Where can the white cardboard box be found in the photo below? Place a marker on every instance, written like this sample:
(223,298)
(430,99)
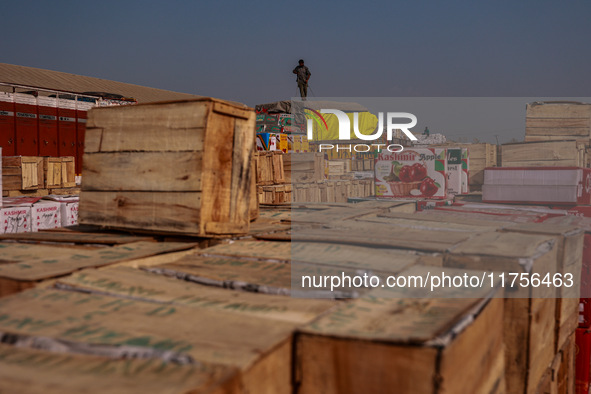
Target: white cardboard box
(69,213)
(15,219)
(46,215)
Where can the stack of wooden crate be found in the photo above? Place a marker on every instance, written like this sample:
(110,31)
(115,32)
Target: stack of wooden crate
(283,178)
(164,316)
(38,176)
(562,131)
(176,167)
(556,121)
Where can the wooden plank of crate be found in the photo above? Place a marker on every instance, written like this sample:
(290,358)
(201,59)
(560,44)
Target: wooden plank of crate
(242,172)
(254,200)
(558,123)
(542,151)
(69,260)
(52,169)
(329,254)
(59,373)
(74,237)
(558,110)
(68,171)
(126,171)
(570,240)
(278,170)
(410,336)
(140,129)
(563,132)
(530,312)
(143,285)
(159,211)
(260,348)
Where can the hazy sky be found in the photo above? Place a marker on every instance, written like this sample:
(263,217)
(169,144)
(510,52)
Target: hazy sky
(245,50)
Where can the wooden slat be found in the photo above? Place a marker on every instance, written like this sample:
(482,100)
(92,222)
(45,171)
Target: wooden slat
(74,237)
(158,211)
(177,115)
(542,151)
(554,110)
(143,171)
(559,123)
(58,373)
(74,259)
(558,131)
(142,285)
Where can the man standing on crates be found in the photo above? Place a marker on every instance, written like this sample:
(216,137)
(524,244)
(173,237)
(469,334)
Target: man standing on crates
(303,75)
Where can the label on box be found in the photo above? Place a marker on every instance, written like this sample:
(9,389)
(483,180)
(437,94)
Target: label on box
(454,171)
(420,172)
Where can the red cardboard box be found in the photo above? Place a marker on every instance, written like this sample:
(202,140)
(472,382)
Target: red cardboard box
(537,185)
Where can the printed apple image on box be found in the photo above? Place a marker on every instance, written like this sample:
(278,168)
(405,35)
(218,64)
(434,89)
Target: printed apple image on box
(420,172)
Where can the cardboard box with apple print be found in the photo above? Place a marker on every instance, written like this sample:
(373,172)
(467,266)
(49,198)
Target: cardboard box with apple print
(420,172)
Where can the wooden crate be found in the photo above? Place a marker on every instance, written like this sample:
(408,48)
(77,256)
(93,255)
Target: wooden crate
(386,343)
(275,194)
(52,170)
(544,154)
(269,168)
(174,167)
(530,312)
(304,167)
(68,171)
(27,371)
(22,173)
(338,167)
(558,121)
(260,348)
(570,240)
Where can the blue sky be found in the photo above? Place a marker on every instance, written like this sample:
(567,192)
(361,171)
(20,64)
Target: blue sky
(245,51)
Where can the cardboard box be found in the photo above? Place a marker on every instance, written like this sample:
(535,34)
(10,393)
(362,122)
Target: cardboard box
(69,213)
(543,185)
(418,172)
(465,171)
(267,141)
(15,219)
(45,215)
(454,171)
